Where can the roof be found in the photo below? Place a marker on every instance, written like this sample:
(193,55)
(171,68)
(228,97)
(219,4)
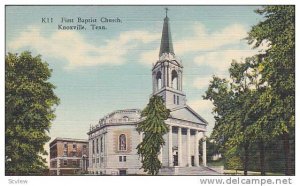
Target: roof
(68,140)
(188,114)
(118,117)
(166,45)
(133,116)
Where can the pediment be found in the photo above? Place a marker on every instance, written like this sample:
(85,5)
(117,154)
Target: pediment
(187,114)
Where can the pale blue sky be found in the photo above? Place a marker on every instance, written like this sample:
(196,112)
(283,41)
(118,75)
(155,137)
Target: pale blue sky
(97,72)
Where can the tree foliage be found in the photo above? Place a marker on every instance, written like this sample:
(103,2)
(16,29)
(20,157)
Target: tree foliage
(257,104)
(278,70)
(232,99)
(153,127)
(29,101)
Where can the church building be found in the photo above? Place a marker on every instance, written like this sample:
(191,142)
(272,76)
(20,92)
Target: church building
(113,141)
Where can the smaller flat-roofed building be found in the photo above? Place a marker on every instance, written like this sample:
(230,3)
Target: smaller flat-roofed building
(68,156)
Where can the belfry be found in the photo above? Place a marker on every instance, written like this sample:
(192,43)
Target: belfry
(167,71)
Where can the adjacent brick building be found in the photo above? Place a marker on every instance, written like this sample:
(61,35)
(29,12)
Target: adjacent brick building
(68,156)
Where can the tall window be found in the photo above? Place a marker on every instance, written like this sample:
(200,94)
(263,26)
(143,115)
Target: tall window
(101,144)
(174,99)
(93,146)
(122,142)
(177,100)
(65,149)
(158,80)
(97,145)
(174,80)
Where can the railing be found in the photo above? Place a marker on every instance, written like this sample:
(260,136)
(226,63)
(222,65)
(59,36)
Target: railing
(113,121)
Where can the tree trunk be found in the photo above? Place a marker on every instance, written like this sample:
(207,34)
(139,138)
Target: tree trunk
(287,158)
(262,157)
(246,158)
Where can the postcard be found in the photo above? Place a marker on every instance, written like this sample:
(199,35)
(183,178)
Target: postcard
(130,90)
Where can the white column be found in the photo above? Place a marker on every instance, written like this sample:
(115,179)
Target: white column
(188,141)
(179,147)
(196,158)
(160,155)
(168,76)
(165,77)
(179,81)
(204,150)
(170,147)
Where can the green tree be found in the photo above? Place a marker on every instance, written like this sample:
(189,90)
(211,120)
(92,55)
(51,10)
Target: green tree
(278,70)
(225,109)
(233,160)
(153,127)
(29,101)
(232,100)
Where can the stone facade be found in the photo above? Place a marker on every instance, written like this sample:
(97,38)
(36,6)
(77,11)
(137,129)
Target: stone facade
(115,159)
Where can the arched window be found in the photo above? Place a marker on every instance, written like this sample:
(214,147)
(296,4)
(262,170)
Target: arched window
(122,142)
(158,80)
(125,118)
(174,79)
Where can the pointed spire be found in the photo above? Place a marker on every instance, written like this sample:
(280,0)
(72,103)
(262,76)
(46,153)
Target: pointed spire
(166,45)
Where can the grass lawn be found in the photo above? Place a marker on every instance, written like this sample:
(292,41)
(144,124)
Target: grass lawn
(240,172)
(251,173)
(215,163)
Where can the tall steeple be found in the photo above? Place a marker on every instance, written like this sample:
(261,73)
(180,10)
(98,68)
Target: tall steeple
(167,71)
(166,45)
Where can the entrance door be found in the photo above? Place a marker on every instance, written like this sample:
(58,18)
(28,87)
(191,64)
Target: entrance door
(193,160)
(122,172)
(175,158)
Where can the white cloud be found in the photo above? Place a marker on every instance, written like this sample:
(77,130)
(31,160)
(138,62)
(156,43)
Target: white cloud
(201,40)
(208,45)
(204,108)
(149,57)
(72,47)
(221,60)
(201,106)
(201,82)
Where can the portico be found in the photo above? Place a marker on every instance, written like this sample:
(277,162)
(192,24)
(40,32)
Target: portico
(182,147)
(181,153)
